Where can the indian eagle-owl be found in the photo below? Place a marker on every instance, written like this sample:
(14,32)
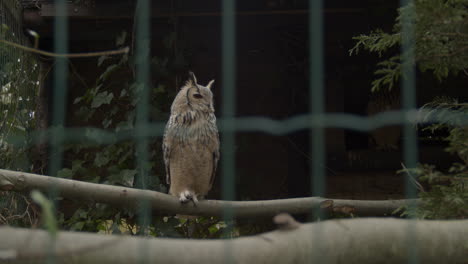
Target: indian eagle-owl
(191,142)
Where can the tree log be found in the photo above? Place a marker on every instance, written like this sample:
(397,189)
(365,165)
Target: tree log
(371,240)
(124,197)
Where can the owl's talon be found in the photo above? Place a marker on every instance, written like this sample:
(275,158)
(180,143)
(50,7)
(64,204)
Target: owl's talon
(186,196)
(183,200)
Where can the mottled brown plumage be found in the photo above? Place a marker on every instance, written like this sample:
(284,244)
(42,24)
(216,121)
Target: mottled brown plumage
(191,142)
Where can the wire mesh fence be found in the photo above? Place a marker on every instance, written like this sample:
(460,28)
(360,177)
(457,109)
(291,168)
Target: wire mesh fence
(18,94)
(18,107)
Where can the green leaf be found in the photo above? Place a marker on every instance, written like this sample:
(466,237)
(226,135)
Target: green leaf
(101,159)
(109,70)
(124,125)
(95,90)
(159,89)
(65,173)
(124,177)
(106,123)
(121,39)
(77,165)
(97,136)
(82,214)
(85,113)
(114,110)
(102,59)
(213,229)
(78,226)
(123,93)
(102,98)
(77,100)
(48,217)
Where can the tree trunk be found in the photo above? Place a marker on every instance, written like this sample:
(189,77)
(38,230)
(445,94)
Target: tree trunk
(370,240)
(40,150)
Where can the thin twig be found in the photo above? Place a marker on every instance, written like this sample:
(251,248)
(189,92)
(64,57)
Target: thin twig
(67,55)
(413,179)
(75,72)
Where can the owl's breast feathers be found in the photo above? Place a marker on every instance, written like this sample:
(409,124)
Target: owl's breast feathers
(192,127)
(191,132)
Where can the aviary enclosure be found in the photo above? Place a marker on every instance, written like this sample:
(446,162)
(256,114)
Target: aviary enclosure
(342,126)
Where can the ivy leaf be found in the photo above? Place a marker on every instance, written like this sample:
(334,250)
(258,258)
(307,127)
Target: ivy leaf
(97,136)
(101,159)
(128,177)
(85,113)
(123,93)
(107,122)
(82,214)
(108,71)
(78,226)
(124,125)
(159,89)
(94,90)
(213,229)
(102,59)
(65,173)
(114,110)
(124,177)
(102,98)
(77,165)
(77,100)
(48,217)
(121,39)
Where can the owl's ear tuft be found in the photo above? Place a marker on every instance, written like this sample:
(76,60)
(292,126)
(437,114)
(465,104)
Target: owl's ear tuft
(192,79)
(210,84)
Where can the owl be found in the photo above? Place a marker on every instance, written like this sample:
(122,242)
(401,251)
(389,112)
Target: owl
(191,142)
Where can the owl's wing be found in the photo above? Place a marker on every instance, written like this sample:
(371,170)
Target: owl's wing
(215,159)
(166,146)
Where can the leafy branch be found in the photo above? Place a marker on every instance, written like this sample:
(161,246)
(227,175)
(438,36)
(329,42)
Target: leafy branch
(440,44)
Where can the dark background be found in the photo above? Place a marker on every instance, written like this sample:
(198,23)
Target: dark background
(271,81)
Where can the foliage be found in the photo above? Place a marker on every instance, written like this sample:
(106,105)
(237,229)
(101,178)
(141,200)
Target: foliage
(17,121)
(440,40)
(441,46)
(17,101)
(111,104)
(48,218)
(447,195)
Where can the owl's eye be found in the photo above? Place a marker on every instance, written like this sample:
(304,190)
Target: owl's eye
(198,96)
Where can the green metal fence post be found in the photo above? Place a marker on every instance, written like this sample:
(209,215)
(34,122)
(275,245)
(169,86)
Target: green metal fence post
(228,112)
(410,145)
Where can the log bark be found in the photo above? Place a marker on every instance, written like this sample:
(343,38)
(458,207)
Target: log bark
(371,240)
(131,198)
(42,116)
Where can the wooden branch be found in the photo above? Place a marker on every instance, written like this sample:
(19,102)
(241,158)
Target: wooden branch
(365,240)
(122,11)
(66,55)
(131,198)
